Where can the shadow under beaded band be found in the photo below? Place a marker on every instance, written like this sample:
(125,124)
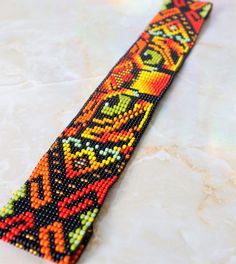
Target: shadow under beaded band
(52,214)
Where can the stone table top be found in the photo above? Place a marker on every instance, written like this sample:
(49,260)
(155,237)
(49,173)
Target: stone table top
(176,201)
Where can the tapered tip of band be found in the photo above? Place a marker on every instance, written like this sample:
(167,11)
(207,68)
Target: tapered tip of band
(206,10)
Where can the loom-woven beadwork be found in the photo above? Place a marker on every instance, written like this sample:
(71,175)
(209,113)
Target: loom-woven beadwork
(52,214)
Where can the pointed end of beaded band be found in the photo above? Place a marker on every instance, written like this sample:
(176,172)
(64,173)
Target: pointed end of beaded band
(206,10)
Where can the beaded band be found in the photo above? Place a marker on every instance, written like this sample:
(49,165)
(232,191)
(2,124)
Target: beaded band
(52,214)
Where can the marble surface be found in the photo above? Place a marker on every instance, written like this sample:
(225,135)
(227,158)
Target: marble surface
(176,201)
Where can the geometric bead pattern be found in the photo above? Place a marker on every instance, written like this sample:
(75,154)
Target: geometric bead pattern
(52,214)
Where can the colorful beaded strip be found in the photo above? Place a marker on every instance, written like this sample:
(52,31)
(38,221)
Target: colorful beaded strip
(52,214)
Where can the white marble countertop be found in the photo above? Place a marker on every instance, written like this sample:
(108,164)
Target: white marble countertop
(176,201)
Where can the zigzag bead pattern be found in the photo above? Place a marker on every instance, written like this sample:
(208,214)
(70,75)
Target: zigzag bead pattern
(52,214)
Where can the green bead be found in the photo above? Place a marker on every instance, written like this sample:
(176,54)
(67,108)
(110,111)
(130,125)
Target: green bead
(73,247)
(78,230)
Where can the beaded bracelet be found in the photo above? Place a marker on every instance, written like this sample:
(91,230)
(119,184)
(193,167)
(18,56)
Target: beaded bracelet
(52,214)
